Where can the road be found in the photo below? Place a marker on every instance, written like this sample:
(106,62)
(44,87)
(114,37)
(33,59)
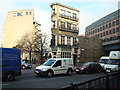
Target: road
(29,80)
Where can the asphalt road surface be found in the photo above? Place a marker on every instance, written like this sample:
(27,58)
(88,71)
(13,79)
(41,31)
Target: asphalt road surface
(29,80)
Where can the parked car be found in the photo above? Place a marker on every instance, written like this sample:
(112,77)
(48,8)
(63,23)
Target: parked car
(25,65)
(89,67)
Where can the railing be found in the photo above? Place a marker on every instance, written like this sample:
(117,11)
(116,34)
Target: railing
(109,81)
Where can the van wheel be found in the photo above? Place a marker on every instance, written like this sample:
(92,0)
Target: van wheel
(49,74)
(69,72)
(10,76)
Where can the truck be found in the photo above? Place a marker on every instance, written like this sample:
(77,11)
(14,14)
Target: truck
(11,63)
(55,66)
(103,60)
(114,62)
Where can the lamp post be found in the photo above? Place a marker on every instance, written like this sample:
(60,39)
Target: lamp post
(80,55)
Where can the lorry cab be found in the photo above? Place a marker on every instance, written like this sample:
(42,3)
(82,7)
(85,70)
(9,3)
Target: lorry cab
(55,66)
(114,62)
(103,60)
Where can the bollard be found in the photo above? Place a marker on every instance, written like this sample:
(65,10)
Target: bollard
(74,86)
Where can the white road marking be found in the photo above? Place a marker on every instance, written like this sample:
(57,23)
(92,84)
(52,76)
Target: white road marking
(5,84)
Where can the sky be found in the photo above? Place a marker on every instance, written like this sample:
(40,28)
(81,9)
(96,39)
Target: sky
(90,11)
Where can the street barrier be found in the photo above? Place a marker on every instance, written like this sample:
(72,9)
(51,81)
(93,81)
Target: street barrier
(109,81)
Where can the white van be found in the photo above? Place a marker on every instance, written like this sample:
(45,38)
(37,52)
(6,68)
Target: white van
(55,66)
(103,60)
(114,62)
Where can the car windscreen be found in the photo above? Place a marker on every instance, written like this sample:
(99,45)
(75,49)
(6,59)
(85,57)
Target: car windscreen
(49,62)
(86,64)
(103,60)
(113,61)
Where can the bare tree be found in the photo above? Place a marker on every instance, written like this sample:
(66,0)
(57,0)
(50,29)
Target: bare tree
(43,44)
(34,42)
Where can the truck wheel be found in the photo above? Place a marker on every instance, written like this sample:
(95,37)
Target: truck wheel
(49,74)
(10,76)
(69,72)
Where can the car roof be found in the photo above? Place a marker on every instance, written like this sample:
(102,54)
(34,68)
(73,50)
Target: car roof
(61,58)
(92,62)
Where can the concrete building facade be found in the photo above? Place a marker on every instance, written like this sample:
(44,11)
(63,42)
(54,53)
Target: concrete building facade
(90,49)
(17,24)
(108,29)
(65,31)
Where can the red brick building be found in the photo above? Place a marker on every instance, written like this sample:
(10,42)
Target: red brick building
(108,29)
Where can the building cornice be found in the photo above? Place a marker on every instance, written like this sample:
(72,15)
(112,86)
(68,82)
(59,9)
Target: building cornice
(64,6)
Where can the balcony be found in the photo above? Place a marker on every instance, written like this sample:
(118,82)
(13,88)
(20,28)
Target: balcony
(69,17)
(68,30)
(64,45)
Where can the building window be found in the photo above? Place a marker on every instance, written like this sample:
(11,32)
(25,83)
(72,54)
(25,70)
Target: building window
(62,12)
(26,13)
(69,25)
(68,40)
(53,40)
(117,22)
(68,14)
(113,23)
(74,27)
(74,41)
(110,31)
(62,25)
(53,24)
(74,16)
(113,30)
(30,13)
(106,33)
(103,33)
(103,27)
(109,25)
(100,34)
(117,29)
(62,40)
(100,28)
(53,11)
(95,30)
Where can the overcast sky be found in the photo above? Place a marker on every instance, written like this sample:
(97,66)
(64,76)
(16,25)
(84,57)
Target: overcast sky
(90,11)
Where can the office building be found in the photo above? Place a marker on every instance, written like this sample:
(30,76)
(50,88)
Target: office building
(108,29)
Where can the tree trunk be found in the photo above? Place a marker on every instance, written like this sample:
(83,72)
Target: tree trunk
(30,56)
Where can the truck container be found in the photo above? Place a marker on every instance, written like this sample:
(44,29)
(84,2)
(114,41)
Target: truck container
(11,63)
(114,62)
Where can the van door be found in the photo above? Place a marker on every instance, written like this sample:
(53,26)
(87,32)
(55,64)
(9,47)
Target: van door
(57,67)
(64,65)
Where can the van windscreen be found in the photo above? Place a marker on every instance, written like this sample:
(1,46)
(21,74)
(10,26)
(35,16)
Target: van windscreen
(49,62)
(103,61)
